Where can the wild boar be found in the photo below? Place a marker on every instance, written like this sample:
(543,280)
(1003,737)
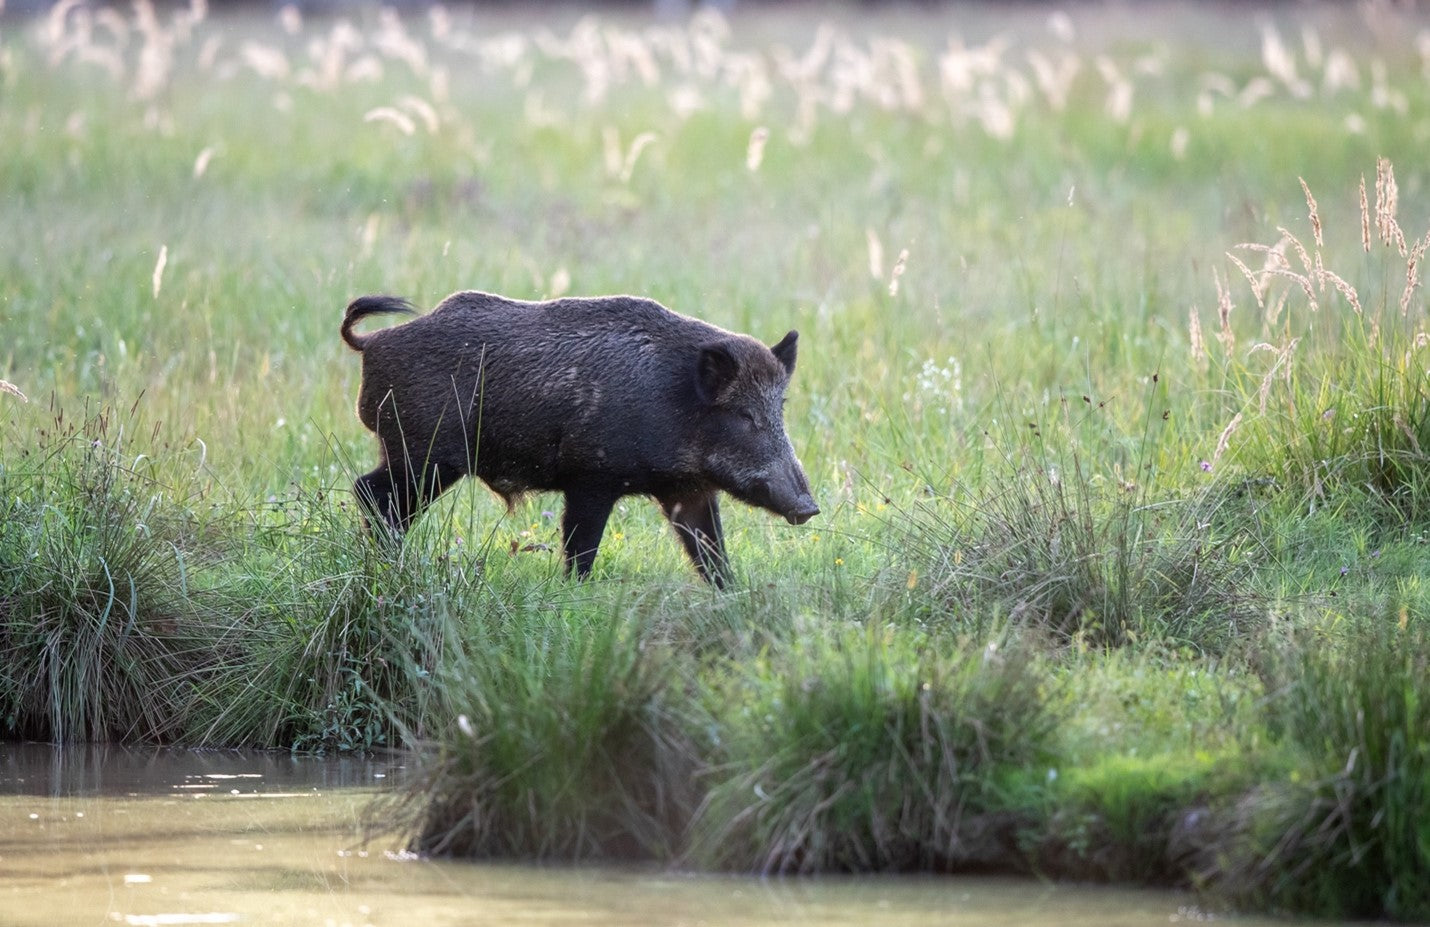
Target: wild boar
(595,398)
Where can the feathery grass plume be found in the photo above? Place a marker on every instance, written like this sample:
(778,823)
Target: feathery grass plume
(1352,297)
(1364,218)
(10,388)
(1257,281)
(1313,212)
(1196,342)
(1119,90)
(755,150)
(201,163)
(1223,441)
(1387,204)
(898,271)
(871,749)
(1225,334)
(1055,78)
(159,265)
(1412,273)
(290,18)
(638,145)
(393,117)
(423,110)
(876,253)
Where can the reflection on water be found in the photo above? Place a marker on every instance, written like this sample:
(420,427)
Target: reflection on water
(103,769)
(95,835)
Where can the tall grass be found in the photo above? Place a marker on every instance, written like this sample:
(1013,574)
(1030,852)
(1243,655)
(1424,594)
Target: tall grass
(107,627)
(871,749)
(1077,551)
(1346,834)
(565,742)
(1334,391)
(353,631)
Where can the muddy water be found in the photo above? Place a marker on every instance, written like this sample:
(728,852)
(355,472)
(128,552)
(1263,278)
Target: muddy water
(151,837)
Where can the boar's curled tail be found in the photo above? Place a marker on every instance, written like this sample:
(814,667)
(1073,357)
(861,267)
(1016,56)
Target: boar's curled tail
(369,305)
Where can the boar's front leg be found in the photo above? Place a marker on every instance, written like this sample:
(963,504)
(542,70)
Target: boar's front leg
(696,517)
(582,525)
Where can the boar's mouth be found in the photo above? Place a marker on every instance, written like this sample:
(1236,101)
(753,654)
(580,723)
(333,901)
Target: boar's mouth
(786,495)
(806,510)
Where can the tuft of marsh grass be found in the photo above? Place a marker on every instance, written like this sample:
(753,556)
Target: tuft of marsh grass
(106,628)
(1347,834)
(1061,546)
(1334,396)
(563,741)
(869,749)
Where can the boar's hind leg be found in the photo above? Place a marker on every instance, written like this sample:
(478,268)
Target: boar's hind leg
(396,499)
(696,518)
(582,526)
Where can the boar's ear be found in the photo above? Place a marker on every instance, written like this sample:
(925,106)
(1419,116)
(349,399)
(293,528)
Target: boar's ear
(715,370)
(784,352)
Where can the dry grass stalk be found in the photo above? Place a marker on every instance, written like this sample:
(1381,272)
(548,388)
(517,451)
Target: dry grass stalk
(1364,218)
(11,389)
(876,254)
(201,163)
(1258,283)
(1412,273)
(1225,440)
(399,120)
(755,150)
(897,272)
(1314,213)
(1225,335)
(1301,251)
(159,266)
(1346,290)
(1387,203)
(1194,335)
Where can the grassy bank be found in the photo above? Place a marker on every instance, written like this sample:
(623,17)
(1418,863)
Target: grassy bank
(1112,391)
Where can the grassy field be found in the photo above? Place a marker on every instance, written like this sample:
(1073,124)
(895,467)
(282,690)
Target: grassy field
(1113,391)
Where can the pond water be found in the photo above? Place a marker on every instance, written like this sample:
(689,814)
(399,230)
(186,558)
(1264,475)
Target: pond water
(107,835)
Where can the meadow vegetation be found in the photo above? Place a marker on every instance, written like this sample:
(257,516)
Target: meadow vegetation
(1113,391)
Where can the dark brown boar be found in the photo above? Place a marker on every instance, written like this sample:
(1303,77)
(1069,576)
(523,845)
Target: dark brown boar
(593,398)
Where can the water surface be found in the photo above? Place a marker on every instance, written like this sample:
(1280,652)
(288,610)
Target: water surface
(105,835)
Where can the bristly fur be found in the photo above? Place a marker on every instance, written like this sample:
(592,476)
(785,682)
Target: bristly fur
(595,398)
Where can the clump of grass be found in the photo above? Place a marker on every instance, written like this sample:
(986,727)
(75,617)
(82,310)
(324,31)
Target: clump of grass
(1335,398)
(106,628)
(567,741)
(1131,818)
(353,629)
(862,749)
(1080,555)
(1348,834)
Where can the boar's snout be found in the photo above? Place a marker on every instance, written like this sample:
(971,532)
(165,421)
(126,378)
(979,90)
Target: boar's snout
(803,512)
(787,493)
